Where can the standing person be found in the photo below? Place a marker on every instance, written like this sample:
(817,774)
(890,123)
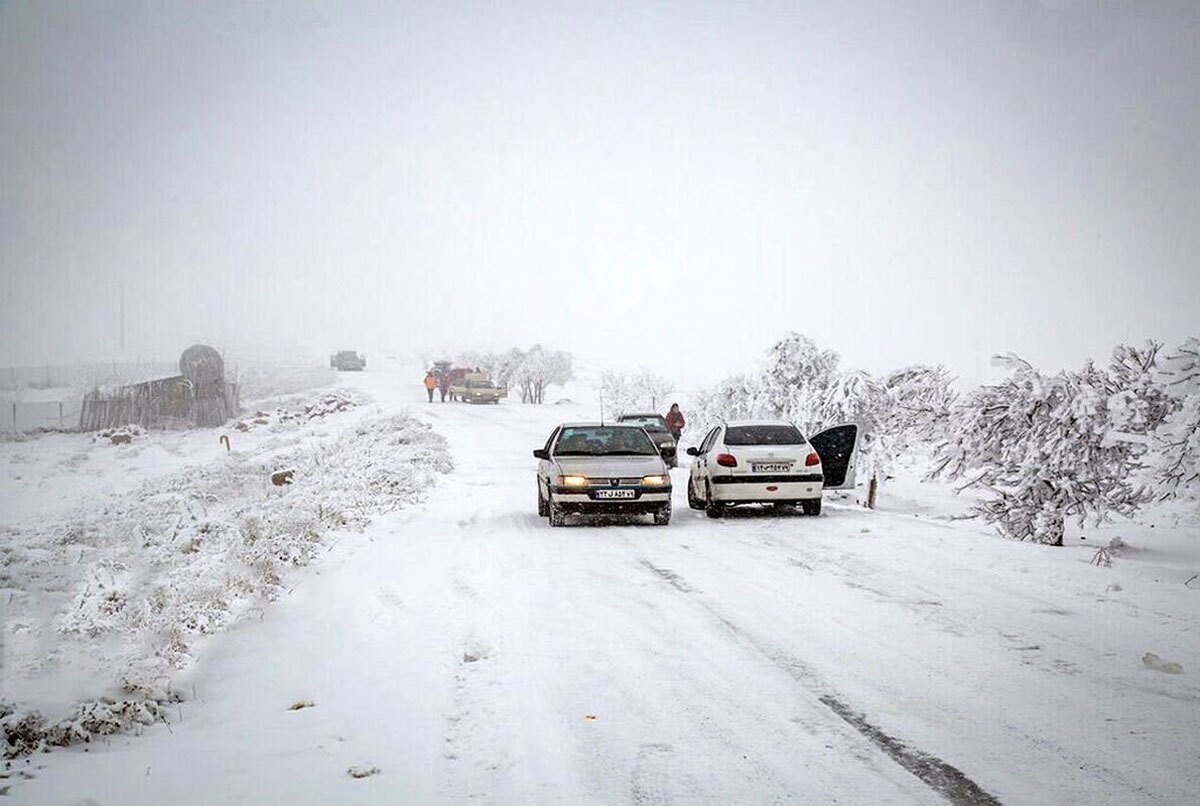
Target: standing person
(444,385)
(675,421)
(430,384)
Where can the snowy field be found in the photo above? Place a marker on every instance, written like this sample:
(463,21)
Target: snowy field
(380,631)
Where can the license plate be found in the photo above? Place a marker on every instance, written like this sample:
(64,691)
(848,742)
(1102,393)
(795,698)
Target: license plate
(616,493)
(770,467)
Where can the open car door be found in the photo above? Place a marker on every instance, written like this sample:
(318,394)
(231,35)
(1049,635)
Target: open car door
(838,449)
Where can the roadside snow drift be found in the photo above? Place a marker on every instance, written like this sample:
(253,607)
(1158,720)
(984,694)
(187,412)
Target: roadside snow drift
(112,601)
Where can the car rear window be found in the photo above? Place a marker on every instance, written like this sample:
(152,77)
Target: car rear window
(763,435)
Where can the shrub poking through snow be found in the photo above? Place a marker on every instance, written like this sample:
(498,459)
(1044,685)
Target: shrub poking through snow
(183,557)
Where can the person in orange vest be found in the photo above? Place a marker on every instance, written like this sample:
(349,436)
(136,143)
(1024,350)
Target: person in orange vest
(430,384)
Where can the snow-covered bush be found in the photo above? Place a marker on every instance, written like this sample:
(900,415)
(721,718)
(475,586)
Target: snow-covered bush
(795,381)
(644,390)
(1178,437)
(1050,448)
(858,397)
(922,399)
(735,398)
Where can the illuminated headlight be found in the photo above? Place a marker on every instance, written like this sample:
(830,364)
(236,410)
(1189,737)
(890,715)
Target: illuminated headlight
(573,481)
(655,481)
(669,444)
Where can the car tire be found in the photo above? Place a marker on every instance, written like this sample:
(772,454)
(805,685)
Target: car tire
(713,509)
(543,510)
(693,501)
(662,515)
(812,507)
(557,516)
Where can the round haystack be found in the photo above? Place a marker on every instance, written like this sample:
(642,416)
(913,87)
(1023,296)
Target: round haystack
(203,366)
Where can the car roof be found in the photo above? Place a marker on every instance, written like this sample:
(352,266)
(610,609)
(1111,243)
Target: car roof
(597,425)
(743,423)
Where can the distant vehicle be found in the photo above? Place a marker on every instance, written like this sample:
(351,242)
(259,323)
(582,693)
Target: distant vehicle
(656,427)
(595,469)
(769,463)
(476,388)
(348,360)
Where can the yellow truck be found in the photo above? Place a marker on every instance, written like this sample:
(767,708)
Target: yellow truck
(476,388)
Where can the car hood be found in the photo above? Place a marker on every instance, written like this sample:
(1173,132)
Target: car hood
(611,466)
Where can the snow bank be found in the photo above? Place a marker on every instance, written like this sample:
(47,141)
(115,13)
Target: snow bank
(116,599)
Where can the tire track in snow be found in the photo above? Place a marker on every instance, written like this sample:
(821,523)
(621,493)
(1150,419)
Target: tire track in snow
(940,776)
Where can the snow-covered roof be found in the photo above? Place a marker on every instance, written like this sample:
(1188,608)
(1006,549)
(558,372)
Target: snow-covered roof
(741,423)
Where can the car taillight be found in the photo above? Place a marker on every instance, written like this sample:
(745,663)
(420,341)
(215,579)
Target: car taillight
(726,460)
(812,459)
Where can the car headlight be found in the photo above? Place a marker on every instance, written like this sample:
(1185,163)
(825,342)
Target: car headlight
(573,481)
(668,444)
(655,481)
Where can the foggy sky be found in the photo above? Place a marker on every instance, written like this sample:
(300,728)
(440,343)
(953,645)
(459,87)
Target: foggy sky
(664,184)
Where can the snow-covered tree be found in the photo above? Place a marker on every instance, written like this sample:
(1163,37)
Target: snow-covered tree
(860,398)
(735,398)
(541,368)
(795,379)
(1178,436)
(922,399)
(1049,448)
(642,391)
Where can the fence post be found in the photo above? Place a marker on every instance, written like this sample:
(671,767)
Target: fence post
(14,409)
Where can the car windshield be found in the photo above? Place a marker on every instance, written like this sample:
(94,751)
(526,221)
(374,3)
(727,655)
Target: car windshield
(480,385)
(604,440)
(651,422)
(763,435)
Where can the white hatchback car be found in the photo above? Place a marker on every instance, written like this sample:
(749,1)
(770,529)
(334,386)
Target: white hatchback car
(769,463)
(597,469)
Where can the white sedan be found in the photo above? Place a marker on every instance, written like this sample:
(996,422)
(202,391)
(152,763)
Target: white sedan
(769,463)
(597,469)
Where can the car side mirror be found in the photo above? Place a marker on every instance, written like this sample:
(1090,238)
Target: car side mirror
(693,451)
(541,453)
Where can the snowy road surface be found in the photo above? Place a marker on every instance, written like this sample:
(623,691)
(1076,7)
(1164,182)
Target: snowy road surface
(471,653)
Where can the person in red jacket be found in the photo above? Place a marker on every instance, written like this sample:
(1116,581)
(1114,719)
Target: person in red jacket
(675,421)
(444,385)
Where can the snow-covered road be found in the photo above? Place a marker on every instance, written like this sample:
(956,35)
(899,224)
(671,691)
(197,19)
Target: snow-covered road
(470,652)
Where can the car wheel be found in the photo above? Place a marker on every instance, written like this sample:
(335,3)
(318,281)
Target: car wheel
(713,509)
(812,507)
(557,516)
(543,510)
(662,515)
(693,501)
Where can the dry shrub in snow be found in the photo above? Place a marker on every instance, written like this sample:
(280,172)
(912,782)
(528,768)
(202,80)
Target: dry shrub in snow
(184,556)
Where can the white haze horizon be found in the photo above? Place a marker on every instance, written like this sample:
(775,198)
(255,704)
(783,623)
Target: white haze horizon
(667,185)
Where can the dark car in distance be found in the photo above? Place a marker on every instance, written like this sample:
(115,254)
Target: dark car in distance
(656,427)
